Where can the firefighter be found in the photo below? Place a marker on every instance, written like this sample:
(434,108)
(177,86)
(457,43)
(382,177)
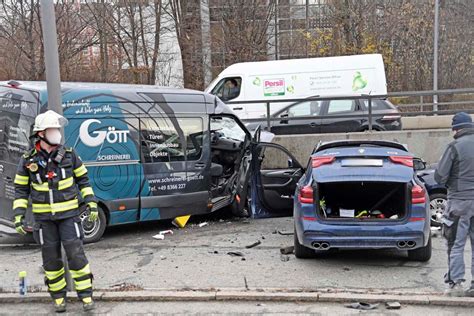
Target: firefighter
(53,176)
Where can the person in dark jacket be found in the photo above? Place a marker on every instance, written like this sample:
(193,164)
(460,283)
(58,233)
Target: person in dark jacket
(456,172)
(52,176)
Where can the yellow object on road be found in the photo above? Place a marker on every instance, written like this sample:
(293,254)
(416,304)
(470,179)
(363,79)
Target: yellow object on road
(181,221)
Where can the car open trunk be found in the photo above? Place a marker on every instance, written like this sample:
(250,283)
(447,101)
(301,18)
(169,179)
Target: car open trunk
(363,200)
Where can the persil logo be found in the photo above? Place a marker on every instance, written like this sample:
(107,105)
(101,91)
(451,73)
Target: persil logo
(274,83)
(97,138)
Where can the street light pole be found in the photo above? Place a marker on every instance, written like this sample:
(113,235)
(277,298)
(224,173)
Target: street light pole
(51,56)
(435,55)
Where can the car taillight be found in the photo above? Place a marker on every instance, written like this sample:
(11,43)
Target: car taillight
(418,195)
(402,160)
(306,195)
(322,160)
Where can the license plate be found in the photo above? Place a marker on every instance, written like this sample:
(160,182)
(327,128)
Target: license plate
(362,163)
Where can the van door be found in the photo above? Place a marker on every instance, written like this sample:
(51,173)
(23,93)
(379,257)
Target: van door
(176,163)
(18,109)
(275,175)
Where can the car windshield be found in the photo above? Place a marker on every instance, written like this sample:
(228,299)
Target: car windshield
(228,127)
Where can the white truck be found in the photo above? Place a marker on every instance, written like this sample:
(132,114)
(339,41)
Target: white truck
(297,78)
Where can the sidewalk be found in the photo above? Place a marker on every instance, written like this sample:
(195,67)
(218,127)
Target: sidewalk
(262,295)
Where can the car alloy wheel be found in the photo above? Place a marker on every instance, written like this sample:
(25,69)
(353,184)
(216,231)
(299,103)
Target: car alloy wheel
(437,208)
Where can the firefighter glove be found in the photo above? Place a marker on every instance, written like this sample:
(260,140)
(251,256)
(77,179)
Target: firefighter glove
(93,214)
(19,226)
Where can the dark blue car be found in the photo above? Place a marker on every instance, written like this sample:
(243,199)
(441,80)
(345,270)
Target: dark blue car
(361,195)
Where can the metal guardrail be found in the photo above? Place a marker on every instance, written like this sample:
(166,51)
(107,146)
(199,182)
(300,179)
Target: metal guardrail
(370,115)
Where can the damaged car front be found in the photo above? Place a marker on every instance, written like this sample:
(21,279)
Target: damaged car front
(361,195)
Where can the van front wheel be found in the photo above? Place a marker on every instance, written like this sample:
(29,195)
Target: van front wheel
(93,231)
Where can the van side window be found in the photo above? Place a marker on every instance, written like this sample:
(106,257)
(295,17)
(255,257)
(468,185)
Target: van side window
(228,88)
(171,139)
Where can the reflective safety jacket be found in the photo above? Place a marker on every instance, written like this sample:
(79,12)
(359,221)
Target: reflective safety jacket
(53,181)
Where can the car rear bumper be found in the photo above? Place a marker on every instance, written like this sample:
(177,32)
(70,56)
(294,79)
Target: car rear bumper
(401,242)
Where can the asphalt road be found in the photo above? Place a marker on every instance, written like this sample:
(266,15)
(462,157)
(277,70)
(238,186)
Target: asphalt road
(230,308)
(197,258)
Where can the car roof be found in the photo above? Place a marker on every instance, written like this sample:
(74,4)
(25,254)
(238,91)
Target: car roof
(358,143)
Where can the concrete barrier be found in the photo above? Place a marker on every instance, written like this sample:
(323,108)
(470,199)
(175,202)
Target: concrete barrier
(427,122)
(427,144)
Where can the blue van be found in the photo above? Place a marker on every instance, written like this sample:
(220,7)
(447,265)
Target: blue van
(152,153)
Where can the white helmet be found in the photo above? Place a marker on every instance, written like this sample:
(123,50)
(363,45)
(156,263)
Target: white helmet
(49,119)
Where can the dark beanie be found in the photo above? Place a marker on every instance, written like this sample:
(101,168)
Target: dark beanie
(462,120)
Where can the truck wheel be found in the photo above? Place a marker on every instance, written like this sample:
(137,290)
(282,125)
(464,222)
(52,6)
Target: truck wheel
(93,231)
(422,254)
(302,252)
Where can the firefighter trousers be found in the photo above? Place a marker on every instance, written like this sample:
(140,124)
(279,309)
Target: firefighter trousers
(50,234)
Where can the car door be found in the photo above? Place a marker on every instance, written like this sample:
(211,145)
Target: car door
(275,173)
(338,116)
(308,123)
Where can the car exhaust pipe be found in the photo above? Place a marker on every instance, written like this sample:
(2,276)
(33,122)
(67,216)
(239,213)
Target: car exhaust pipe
(316,245)
(411,244)
(401,244)
(324,246)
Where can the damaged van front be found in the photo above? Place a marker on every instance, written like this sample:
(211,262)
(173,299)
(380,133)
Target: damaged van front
(361,195)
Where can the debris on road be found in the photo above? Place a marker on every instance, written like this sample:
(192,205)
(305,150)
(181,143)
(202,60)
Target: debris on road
(181,221)
(393,305)
(255,244)
(159,236)
(362,306)
(287,250)
(203,224)
(166,232)
(346,269)
(284,258)
(283,233)
(235,254)
(124,286)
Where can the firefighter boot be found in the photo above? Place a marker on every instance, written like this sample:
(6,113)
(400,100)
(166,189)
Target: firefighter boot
(88,304)
(60,305)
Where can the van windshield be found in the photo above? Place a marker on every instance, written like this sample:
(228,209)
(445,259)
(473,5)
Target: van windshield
(228,127)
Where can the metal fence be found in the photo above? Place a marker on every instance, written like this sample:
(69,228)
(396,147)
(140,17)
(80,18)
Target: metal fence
(465,103)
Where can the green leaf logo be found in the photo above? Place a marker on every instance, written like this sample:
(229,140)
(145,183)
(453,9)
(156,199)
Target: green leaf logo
(358,82)
(257,81)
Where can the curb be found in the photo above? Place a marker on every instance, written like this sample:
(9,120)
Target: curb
(262,296)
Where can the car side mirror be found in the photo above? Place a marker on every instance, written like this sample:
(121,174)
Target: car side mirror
(290,163)
(419,164)
(284,117)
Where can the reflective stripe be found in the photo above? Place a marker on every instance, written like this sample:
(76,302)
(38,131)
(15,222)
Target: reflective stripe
(21,180)
(51,275)
(76,226)
(40,187)
(86,191)
(41,236)
(58,286)
(82,285)
(80,171)
(66,183)
(79,273)
(20,203)
(92,204)
(55,207)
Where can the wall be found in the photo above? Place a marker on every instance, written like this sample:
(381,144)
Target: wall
(427,144)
